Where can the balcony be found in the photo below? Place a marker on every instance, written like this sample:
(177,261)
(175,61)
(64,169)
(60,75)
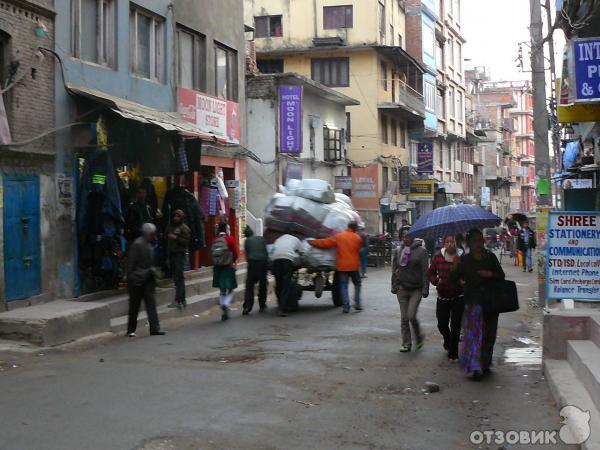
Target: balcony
(403,99)
(478,157)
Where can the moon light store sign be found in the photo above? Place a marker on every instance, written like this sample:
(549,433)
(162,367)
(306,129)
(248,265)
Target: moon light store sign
(573,255)
(290,119)
(424,158)
(587,69)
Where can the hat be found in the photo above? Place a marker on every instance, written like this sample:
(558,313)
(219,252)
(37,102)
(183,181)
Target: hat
(148,229)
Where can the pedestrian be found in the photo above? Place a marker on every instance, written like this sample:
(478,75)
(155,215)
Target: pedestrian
(139,212)
(179,236)
(410,283)
(224,255)
(285,257)
(348,244)
(258,261)
(526,244)
(450,302)
(364,252)
(475,270)
(141,280)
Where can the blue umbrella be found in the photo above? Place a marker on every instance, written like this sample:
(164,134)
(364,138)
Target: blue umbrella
(452,220)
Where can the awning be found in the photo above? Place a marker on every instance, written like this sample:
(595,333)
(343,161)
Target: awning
(169,121)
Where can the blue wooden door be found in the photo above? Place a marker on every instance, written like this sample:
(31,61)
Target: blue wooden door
(22,265)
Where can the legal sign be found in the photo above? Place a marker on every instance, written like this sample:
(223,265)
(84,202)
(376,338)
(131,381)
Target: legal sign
(587,69)
(365,181)
(573,255)
(290,119)
(425,158)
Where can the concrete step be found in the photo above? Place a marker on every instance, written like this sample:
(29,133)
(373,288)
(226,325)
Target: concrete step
(197,285)
(569,391)
(594,329)
(195,305)
(584,358)
(55,323)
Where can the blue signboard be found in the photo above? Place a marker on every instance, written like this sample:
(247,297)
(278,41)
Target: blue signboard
(587,69)
(425,158)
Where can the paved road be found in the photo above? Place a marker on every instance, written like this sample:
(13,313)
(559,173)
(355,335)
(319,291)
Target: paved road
(318,379)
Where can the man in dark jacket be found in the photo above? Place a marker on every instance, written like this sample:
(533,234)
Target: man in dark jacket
(138,213)
(257,256)
(450,301)
(526,244)
(141,280)
(178,241)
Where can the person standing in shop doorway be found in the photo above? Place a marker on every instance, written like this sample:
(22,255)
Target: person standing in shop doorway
(258,262)
(141,280)
(224,255)
(526,244)
(139,212)
(179,236)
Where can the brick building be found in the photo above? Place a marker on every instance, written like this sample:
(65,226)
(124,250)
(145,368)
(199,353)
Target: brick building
(28,193)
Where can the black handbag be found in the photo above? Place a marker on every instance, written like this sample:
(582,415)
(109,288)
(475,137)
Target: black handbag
(501,297)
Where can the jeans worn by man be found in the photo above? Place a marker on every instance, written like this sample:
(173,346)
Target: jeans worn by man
(344,280)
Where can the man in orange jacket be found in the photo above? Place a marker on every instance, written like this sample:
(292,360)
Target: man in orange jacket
(347,244)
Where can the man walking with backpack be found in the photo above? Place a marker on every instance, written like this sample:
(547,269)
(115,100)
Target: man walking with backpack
(224,255)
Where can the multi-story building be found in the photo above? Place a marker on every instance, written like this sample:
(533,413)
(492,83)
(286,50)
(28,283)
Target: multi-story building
(29,188)
(357,48)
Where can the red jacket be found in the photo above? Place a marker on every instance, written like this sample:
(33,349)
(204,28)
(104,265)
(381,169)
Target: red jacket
(348,244)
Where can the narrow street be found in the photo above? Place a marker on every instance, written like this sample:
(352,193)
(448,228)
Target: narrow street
(316,379)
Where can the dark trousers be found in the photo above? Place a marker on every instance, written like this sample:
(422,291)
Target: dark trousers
(257,273)
(144,292)
(283,270)
(177,262)
(449,316)
(490,330)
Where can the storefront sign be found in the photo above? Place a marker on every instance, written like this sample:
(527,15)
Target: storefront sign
(421,191)
(404,180)
(364,187)
(570,113)
(211,115)
(424,158)
(290,119)
(294,171)
(485,196)
(578,184)
(573,255)
(343,183)
(587,69)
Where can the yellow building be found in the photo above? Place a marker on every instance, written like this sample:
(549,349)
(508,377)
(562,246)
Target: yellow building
(356,47)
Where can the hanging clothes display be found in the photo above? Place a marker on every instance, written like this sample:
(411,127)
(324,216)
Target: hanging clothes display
(180,198)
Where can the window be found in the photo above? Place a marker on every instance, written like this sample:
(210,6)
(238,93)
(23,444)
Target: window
(439,105)
(451,103)
(348,127)
(191,59)
(394,131)
(458,63)
(147,42)
(457,10)
(402,131)
(337,17)
(93,33)
(332,72)
(270,65)
(450,48)
(384,131)
(226,73)
(429,41)
(450,7)
(429,97)
(381,23)
(383,70)
(332,144)
(439,55)
(460,106)
(267,26)
(399,40)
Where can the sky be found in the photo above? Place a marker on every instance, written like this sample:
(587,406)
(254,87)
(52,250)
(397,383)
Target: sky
(493,29)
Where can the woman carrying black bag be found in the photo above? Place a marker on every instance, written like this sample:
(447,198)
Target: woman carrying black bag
(478,270)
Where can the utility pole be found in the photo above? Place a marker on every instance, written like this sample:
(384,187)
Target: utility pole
(540,129)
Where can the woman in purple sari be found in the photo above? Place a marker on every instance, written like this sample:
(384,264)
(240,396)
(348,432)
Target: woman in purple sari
(476,270)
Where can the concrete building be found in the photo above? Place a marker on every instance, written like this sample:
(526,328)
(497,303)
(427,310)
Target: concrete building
(29,190)
(357,48)
(322,133)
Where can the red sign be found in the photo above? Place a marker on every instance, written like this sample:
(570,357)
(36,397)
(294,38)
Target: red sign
(211,115)
(365,182)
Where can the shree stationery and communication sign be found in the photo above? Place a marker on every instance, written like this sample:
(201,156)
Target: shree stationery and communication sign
(573,255)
